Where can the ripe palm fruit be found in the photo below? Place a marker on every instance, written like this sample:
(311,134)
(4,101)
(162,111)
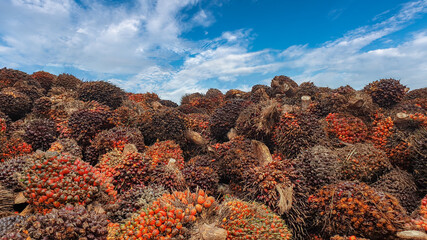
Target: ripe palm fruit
(386,92)
(8,77)
(346,128)
(169,217)
(53,180)
(245,220)
(352,208)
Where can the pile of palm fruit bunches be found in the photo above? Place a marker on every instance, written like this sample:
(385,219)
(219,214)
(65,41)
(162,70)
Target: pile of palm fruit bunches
(87,160)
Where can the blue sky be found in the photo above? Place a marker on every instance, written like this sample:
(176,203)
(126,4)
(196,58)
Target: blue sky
(173,47)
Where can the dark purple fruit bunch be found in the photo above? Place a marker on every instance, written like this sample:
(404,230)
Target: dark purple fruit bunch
(14,104)
(283,85)
(401,185)
(319,167)
(197,176)
(40,133)
(68,223)
(102,92)
(67,81)
(10,224)
(42,107)
(296,132)
(168,103)
(164,124)
(9,171)
(225,117)
(85,124)
(386,92)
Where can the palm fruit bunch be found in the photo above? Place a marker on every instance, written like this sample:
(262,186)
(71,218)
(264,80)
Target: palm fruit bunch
(53,180)
(258,120)
(8,77)
(66,145)
(68,223)
(420,221)
(44,78)
(203,103)
(108,140)
(304,89)
(352,208)
(197,122)
(170,176)
(269,184)
(132,170)
(160,153)
(385,136)
(418,141)
(234,158)
(42,107)
(128,115)
(164,124)
(386,92)
(319,166)
(102,92)
(296,132)
(10,223)
(85,124)
(143,99)
(168,103)
(224,118)
(169,217)
(363,162)
(198,175)
(245,220)
(260,93)
(6,202)
(235,94)
(29,88)
(40,133)
(9,171)
(67,81)
(328,101)
(129,203)
(189,109)
(346,128)
(416,93)
(283,86)
(14,104)
(401,185)
(14,147)
(338,237)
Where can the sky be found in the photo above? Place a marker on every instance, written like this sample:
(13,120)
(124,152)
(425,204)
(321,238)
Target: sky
(174,47)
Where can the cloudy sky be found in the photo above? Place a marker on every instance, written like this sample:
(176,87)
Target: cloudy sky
(173,47)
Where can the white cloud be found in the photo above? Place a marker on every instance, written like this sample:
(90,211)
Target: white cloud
(344,61)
